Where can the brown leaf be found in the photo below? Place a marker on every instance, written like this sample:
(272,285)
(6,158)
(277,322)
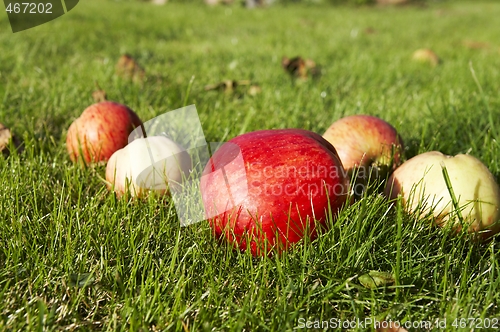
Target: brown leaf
(475,44)
(370,31)
(295,67)
(127,67)
(227,86)
(312,69)
(99,94)
(300,68)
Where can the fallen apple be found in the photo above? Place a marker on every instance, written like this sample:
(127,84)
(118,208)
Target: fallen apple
(426,55)
(287,180)
(6,139)
(421,183)
(368,147)
(102,129)
(146,165)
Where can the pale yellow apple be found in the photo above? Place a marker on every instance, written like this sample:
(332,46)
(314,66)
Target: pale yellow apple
(421,183)
(426,55)
(151,164)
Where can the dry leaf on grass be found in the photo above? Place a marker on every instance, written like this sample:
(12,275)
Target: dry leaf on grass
(229,86)
(99,94)
(476,45)
(300,68)
(225,86)
(376,279)
(370,31)
(127,67)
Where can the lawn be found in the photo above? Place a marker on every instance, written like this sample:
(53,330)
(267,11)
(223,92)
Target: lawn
(73,257)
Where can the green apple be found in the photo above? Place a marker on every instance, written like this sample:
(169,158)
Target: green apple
(421,183)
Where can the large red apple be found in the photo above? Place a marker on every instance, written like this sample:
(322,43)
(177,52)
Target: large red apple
(367,146)
(265,190)
(102,129)
(421,183)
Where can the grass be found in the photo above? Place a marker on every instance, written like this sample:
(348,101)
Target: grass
(73,257)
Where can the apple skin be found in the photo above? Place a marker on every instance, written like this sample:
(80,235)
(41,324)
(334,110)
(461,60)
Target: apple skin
(130,170)
(425,55)
(6,138)
(365,140)
(420,181)
(269,200)
(102,129)
(365,144)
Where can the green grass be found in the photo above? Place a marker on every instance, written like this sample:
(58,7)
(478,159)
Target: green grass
(74,257)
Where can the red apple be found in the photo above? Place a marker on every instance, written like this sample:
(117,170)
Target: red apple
(102,129)
(366,144)
(264,190)
(421,183)
(6,138)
